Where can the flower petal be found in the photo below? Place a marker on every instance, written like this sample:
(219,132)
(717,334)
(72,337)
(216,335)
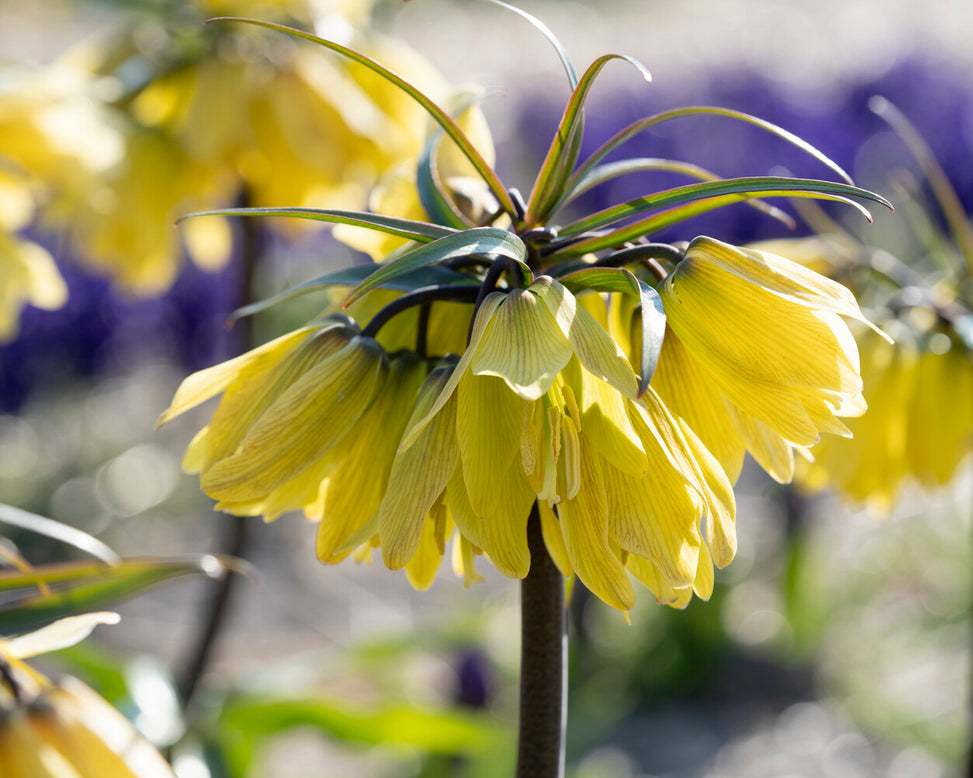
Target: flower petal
(419,473)
(302,424)
(523,345)
(584,523)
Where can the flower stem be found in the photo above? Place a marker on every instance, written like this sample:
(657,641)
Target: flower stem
(544,653)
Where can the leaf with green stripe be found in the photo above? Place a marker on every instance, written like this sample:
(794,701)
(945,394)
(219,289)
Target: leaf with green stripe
(432,275)
(437,113)
(651,312)
(749,186)
(476,241)
(81,587)
(402,228)
(563,153)
(701,110)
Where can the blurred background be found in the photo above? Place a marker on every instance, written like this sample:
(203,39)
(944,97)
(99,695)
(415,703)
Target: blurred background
(838,642)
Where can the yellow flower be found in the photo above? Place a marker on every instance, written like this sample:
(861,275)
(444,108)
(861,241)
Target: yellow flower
(757,355)
(919,426)
(544,404)
(65,730)
(28,274)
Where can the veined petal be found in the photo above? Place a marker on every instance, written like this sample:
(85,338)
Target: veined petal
(767,447)
(647,574)
(690,393)
(502,534)
(302,424)
(260,385)
(783,277)
(594,347)
(584,524)
(705,580)
(489,425)
(353,491)
(436,530)
(419,473)
(523,345)
(483,317)
(656,517)
(691,458)
(605,421)
(204,384)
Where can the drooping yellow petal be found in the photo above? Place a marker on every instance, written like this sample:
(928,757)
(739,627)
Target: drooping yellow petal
(523,345)
(202,385)
(419,474)
(647,574)
(691,458)
(704,580)
(302,424)
(483,318)
(605,421)
(594,348)
(502,534)
(489,426)
(769,449)
(421,568)
(464,561)
(656,517)
(690,393)
(783,277)
(353,490)
(258,385)
(584,524)
(194,457)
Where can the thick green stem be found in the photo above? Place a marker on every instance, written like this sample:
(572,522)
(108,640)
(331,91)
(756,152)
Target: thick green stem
(543,661)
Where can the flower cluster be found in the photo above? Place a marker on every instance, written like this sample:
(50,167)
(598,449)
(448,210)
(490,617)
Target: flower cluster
(500,367)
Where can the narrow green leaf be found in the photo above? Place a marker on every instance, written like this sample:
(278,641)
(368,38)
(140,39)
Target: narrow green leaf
(566,145)
(439,732)
(942,189)
(83,587)
(41,525)
(546,32)
(354,275)
(402,228)
(476,241)
(432,192)
(612,170)
(701,110)
(769,186)
(614,279)
(645,227)
(437,113)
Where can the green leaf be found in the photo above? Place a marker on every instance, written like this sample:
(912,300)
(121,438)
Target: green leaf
(478,240)
(432,193)
(41,525)
(440,732)
(613,279)
(607,172)
(546,32)
(566,145)
(437,113)
(769,186)
(402,228)
(354,275)
(659,221)
(701,110)
(89,586)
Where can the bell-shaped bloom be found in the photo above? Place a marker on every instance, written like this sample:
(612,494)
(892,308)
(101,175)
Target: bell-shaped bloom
(919,426)
(765,335)
(285,405)
(542,407)
(66,730)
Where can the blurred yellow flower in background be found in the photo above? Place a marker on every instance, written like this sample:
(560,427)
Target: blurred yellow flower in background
(64,729)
